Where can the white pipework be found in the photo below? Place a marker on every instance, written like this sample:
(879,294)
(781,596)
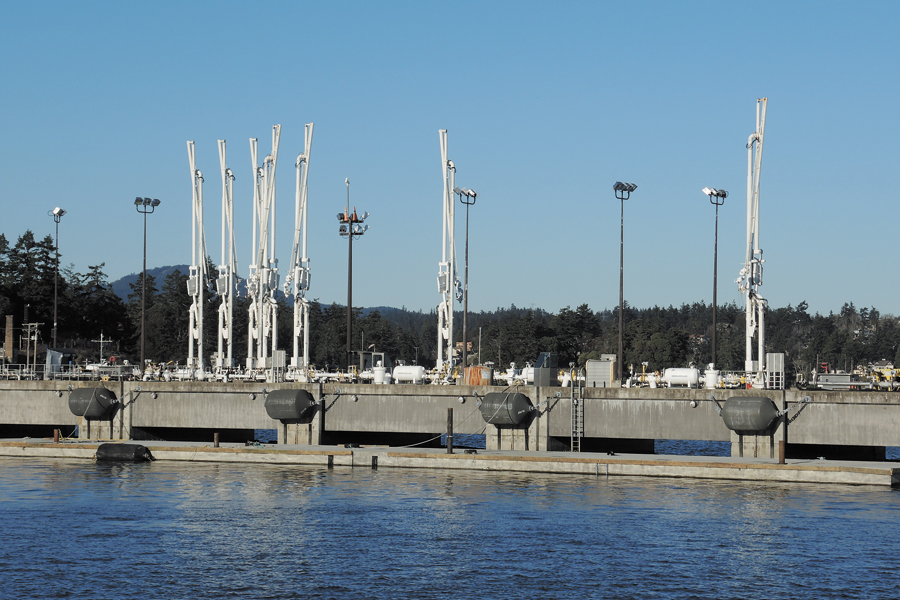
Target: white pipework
(296,282)
(197,279)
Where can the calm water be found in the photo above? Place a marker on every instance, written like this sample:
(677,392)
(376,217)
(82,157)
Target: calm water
(79,529)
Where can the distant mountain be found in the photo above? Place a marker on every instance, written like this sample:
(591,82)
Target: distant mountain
(122,287)
(388,312)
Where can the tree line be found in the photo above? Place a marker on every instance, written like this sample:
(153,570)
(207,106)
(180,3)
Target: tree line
(661,337)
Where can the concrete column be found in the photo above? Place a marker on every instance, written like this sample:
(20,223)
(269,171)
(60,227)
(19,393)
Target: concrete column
(491,437)
(123,418)
(97,430)
(757,446)
(515,439)
(538,429)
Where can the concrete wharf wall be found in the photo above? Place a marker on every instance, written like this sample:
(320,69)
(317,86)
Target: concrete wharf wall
(841,418)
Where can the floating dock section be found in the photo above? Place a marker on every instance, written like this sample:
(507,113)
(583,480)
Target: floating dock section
(585,463)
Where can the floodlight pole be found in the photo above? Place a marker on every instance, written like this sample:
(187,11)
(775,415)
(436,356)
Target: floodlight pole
(57,214)
(349,282)
(145,206)
(623,193)
(719,196)
(468,198)
(350,225)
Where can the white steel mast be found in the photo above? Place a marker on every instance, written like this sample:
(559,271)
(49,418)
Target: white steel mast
(262,283)
(750,278)
(197,279)
(448,280)
(225,282)
(296,282)
(253,288)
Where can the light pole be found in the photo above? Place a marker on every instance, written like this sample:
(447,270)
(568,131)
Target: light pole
(145,206)
(350,225)
(623,193)
(467,197)
(719,196)
(57,214)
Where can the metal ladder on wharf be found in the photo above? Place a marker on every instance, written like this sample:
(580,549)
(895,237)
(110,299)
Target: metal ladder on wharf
(577,416)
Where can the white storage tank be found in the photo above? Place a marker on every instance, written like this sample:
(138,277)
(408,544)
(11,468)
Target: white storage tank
(682,377)
(409,374)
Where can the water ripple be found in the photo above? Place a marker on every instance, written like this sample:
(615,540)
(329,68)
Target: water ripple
(77,529)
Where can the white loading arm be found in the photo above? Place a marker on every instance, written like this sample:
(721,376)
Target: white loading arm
(198,277)
(448,280)
(750,277)
(296,282)
(253,283)
(225,282)
(262,282)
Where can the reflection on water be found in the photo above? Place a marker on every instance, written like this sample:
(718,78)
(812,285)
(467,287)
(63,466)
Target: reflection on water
(80,529)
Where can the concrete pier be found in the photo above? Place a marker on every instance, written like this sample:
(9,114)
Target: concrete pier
(834,424)
(588,464)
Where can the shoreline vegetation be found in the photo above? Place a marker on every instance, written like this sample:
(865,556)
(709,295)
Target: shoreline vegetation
(88,307)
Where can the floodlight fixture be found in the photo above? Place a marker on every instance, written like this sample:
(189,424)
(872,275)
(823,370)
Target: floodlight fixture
(715,192)
(624,187)
(138,201)
(58,212)
(155,203)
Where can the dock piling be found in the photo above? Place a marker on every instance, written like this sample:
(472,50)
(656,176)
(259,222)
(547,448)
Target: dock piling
(450,430)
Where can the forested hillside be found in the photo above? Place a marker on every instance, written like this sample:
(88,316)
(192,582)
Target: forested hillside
(662,337)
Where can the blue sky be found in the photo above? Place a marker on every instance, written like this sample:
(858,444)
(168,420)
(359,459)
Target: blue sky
(547,105)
